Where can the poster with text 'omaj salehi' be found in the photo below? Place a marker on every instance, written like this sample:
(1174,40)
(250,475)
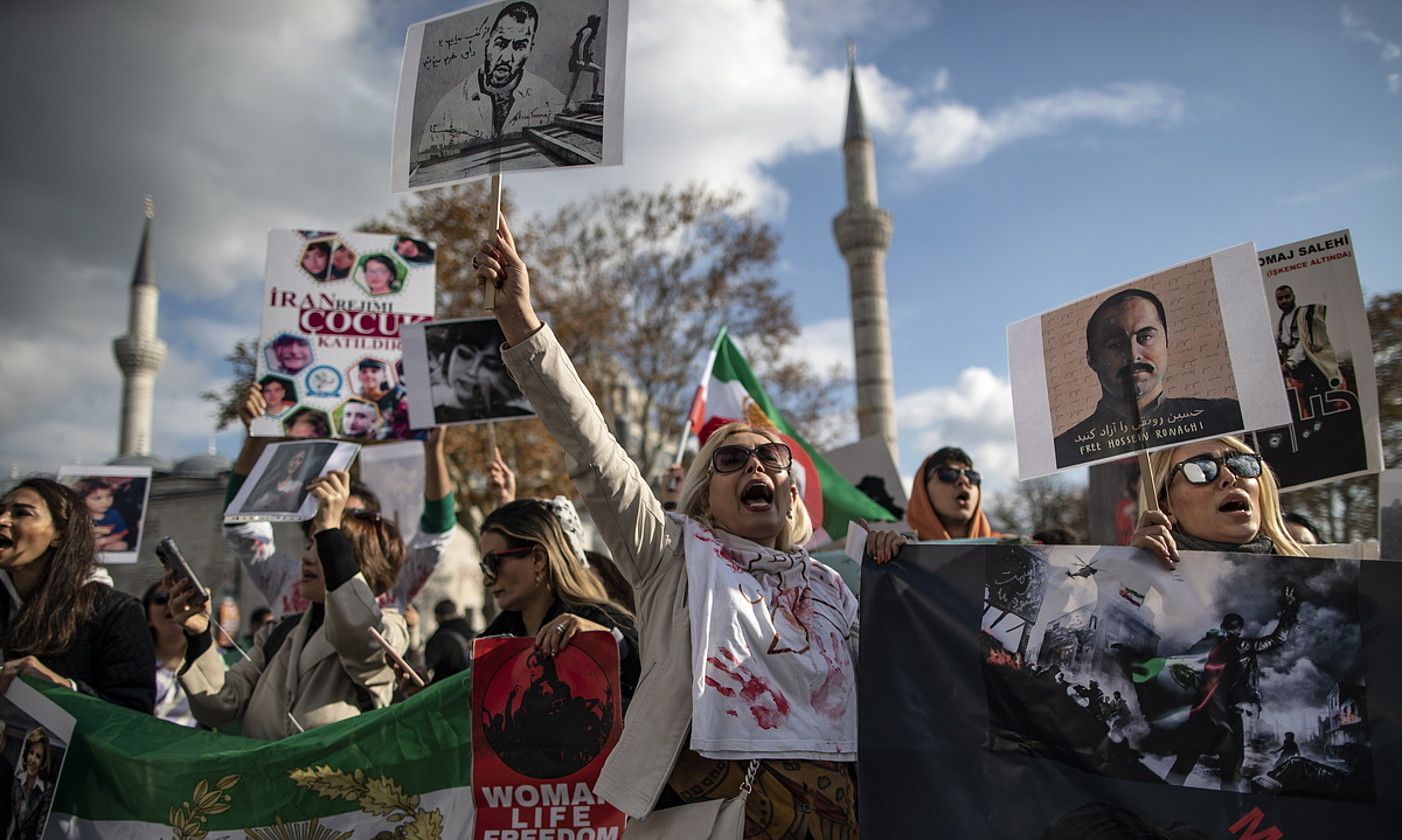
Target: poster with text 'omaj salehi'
(1325,351)
(1179,355)
(329,351)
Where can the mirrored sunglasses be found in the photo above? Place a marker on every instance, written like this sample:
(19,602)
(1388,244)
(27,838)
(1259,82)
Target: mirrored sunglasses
(1205,468)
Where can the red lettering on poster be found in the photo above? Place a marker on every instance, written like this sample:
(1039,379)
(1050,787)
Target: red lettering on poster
(1250,827)
(345,322)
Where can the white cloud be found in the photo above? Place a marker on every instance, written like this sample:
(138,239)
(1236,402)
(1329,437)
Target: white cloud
(1389,51)
(976,414)
(952,134)
(241,117)
(1343,186)
(824,345)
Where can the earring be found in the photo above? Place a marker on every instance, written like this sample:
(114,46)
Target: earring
(790,513)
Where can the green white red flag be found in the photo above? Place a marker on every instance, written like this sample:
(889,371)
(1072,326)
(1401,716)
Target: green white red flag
(729,390)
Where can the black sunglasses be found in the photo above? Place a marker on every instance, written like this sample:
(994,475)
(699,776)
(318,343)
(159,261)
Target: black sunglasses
(491,561)
(773,456)
(949,475)
(161,598)
(1202,469)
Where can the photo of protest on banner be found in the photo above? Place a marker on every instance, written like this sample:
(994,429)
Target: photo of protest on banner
(328,351)
(542,727)
(508,86)
(116,499)
(276,489)
(467,380)
(34,739)
(1168,358)
(1097,682)
(1325,351)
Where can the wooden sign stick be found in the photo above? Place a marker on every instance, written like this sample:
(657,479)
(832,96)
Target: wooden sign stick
(1148,495)
(489,291)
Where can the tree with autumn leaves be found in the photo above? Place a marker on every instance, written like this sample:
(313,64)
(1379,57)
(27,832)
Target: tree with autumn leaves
(636,285)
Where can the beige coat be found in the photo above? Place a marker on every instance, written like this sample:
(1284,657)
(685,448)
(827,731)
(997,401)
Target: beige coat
(315,677)
(647,546)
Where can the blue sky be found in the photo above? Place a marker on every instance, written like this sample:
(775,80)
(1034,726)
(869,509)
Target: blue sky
(1030,154)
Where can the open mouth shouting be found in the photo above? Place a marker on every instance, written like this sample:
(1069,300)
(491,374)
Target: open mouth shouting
(757,496)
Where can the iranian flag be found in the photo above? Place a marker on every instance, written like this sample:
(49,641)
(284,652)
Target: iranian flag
(400,772)
(730,391)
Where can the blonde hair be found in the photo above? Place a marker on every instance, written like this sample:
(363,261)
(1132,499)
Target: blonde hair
(533,522)
(696,487)
(1272,524)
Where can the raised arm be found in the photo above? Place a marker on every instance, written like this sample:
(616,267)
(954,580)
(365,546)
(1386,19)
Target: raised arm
(628,515)
(274,573)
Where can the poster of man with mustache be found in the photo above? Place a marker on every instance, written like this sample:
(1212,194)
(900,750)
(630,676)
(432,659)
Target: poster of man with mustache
(1175,356)
(510,86)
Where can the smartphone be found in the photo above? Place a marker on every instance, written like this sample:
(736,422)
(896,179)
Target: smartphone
(397,659)
(175,563)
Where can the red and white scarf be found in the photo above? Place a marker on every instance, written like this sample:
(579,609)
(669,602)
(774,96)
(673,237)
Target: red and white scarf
(772,652)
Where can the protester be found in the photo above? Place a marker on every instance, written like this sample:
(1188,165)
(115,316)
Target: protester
(764,634)
(1214,495)
(946,499)
(318,667)
(277,574)
(56,622)
(449,649)
(169,639)
(533,563)
(1301,528)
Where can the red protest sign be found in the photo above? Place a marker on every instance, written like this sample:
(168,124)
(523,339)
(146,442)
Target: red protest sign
(542,728)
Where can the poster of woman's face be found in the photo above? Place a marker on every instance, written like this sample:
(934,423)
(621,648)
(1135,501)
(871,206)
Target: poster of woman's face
(276,489)
(115,498)
(467,380)
(34,739)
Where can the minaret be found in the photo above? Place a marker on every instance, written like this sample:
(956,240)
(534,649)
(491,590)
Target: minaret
(140,353)
(863,231)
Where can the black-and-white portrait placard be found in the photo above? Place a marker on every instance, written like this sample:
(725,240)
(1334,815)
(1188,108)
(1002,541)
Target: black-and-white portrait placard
(507,86)
(468,381)
(276,490)
(1179,355)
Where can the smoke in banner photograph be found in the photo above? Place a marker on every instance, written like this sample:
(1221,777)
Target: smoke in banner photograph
(1235,673)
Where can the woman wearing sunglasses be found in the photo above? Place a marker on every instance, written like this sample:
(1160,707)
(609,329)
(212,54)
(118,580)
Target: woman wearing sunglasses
(533,564)
(316,667)
(946,501)
(1214,495)
(748,645)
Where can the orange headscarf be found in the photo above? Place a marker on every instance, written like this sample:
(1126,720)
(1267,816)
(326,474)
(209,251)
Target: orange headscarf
(920,513)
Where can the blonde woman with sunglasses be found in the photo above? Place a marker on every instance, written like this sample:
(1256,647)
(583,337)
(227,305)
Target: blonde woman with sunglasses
(534,567)
(1214,495)
(748,645)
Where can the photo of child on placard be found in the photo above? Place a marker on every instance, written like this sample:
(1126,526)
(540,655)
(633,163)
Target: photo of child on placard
(115,498)
(510,85)
(1167,358)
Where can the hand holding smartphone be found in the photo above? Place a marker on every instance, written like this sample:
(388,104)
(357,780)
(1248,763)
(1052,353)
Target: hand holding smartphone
(175,563)
(396,660)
